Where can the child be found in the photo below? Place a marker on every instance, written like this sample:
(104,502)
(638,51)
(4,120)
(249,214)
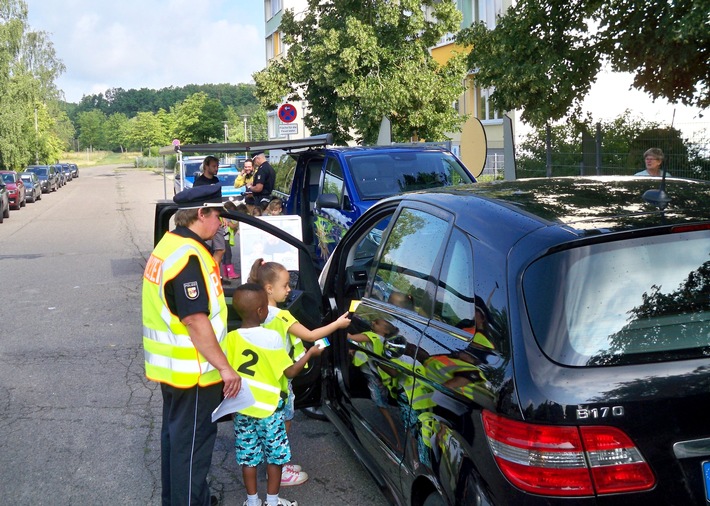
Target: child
(275,207)
(274,278)
(373,341)
(257,353)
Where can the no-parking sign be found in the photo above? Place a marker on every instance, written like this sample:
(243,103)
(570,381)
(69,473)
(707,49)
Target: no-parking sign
(287,113)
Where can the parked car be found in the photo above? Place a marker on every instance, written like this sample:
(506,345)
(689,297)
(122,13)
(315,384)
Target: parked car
(66,169)
(526,342)
(192,168)
(227,174)
(4,202)
(74,170)
(47,175)
(33,188)
(61,177)
(15,188)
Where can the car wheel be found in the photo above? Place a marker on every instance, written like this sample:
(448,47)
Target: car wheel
(24,202)
(434,500)
(315,412)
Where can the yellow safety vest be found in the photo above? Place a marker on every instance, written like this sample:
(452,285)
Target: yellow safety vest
(375,345)
(170,356)
(281,322)
(262,369)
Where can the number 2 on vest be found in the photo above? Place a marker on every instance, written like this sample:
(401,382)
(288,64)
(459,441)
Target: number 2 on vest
(253,358)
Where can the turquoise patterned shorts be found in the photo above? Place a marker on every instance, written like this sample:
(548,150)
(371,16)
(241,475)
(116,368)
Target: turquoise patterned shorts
(256,439)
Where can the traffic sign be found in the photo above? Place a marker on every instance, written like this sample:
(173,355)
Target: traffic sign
(287,113)
(288,130)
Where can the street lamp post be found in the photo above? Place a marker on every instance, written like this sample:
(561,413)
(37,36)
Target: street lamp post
(245,116)
(226,131)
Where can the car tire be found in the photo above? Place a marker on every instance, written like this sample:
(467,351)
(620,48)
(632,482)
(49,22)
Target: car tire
(315,412)
(434,499)
(24,202)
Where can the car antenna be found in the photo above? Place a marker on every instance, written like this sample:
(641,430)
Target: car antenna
(659,197)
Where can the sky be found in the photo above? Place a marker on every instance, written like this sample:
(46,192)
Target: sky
(159,43)
(151,43)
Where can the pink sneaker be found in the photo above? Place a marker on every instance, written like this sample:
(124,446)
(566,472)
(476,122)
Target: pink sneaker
(290,479)
(291,468)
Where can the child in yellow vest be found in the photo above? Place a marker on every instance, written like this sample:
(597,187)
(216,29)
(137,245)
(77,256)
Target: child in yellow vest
(275,278)
(258,355)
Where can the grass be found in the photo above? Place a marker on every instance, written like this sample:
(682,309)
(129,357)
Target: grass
(84,159)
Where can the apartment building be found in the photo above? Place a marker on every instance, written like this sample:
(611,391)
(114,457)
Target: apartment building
(473,101)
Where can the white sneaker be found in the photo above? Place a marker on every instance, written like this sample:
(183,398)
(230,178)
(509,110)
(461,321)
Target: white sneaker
(284,502)
(289,479)
(291,468)
(246,503)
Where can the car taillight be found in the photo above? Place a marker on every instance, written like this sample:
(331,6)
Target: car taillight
(565,460)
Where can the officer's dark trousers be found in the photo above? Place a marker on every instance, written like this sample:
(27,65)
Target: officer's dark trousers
(186,443)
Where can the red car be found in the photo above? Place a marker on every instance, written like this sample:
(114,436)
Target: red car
(15,188)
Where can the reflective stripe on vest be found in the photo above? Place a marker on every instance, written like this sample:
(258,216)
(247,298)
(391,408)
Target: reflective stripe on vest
(170,356)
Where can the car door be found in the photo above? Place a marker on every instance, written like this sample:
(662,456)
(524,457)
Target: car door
(305,299)
(376,362)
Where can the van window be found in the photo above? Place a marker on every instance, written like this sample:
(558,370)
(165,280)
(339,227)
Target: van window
(333,182)
(378,175)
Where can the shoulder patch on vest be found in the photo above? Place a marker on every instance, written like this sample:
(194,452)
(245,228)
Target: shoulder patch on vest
(191,290)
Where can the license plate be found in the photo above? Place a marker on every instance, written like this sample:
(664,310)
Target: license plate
(706,479)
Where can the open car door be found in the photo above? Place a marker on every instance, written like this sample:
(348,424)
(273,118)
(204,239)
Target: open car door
(305,301)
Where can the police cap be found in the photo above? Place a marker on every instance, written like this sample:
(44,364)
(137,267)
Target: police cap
(199,196)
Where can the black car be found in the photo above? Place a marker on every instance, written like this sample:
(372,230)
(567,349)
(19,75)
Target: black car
(47,175)
(74,170)
(528,342)
(67,170)
(33,187)
(61,176)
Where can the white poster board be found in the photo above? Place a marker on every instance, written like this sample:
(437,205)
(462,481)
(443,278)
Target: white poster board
(254,244)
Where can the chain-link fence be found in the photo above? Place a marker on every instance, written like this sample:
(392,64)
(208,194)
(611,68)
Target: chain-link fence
(686,148)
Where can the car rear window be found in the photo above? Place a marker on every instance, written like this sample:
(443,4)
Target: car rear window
(632,301)
(381,175)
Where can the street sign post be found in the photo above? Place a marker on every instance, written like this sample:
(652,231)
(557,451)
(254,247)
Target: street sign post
(287,113)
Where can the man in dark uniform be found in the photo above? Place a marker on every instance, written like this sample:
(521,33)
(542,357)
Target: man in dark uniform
(184,330)
(264,181)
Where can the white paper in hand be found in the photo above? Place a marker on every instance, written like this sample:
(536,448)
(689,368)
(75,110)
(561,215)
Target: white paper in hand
(244,399)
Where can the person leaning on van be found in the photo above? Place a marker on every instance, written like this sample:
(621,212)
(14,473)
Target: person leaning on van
(264,181)
(184,332)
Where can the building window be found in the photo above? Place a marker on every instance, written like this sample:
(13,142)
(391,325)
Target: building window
(487,11)
(484,107)
(274,46)
(272,7)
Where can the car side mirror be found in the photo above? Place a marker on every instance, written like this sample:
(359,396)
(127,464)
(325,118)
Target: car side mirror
(327,201)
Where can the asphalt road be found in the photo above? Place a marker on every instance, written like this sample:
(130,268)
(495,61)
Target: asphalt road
(79,423)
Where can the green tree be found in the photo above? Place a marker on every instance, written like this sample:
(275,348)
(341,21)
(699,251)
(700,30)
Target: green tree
(198,119)
(116,132)
(355,62)
(146,130)
(28,68)
(91,129)
(543,56)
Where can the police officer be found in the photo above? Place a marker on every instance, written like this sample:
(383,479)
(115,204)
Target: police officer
(264,181)
(184,329)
